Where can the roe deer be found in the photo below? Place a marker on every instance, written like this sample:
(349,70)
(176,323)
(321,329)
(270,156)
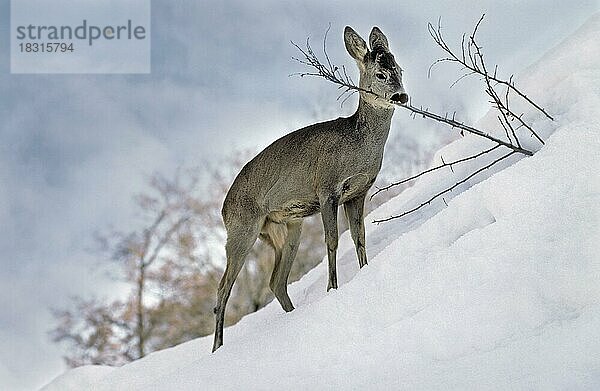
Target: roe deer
(313,170)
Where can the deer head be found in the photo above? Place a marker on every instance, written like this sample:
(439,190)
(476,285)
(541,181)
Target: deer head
(379,72)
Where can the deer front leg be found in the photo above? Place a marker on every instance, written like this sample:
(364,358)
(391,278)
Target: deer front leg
(329,206)
(355,213)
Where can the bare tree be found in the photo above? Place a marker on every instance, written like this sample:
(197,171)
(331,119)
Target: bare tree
(169,210)
(119,331)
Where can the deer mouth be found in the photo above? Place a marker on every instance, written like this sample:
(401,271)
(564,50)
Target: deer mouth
(400,97)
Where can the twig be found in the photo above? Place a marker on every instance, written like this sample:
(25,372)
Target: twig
(450,164)
(445,190)
(464,127)
(471,65)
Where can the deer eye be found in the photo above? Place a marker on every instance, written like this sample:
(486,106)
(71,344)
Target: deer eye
(380,76)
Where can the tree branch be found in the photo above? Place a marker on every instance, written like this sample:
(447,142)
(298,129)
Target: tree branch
(164,240)
(455,124)
(446,190)
(450,164)
(472,65)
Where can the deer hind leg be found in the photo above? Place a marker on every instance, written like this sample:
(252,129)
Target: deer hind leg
(329,207)
(355,211)
(284,258)
(240,239)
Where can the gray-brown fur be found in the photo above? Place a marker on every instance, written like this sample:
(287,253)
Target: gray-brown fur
(314,169)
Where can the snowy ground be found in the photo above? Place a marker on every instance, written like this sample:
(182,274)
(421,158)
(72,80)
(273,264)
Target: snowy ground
(499,290)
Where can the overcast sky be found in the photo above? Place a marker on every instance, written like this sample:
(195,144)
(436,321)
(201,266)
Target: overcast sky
(74,149)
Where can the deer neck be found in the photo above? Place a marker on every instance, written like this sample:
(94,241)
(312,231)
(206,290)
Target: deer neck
(374,119)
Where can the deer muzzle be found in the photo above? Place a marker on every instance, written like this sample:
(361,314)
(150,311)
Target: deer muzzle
(401,97)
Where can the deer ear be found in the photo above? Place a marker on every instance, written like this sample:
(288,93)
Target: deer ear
(355,45)
(378,40)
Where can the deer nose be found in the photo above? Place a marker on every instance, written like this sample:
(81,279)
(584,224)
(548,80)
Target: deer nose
(400,97)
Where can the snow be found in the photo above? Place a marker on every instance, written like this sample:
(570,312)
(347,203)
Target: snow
(498,290)
(75,378)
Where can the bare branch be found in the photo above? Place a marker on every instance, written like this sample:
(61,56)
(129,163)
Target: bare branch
(464,127)
(449,189)
(449,164)
(151,230)
(164,240)
(469,60)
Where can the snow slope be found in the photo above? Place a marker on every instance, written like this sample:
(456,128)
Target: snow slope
(499,290)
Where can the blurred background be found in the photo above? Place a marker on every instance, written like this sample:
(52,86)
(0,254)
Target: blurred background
(111,185)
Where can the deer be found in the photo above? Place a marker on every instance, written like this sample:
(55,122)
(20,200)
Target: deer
(311,170)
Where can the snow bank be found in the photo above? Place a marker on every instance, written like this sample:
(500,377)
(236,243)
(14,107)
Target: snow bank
(499,290)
